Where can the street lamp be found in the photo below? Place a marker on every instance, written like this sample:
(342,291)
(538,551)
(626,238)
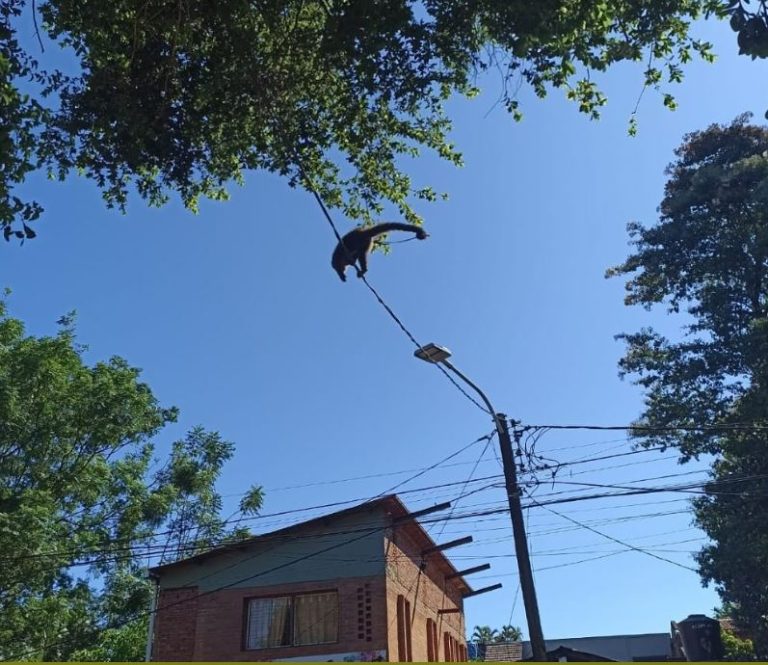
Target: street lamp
(435,354)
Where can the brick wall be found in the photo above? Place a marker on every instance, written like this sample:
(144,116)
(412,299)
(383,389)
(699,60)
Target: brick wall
(175,625)
(426,591)
(212,628)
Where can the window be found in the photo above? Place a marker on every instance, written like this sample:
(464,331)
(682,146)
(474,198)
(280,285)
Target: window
(432,655)
(450,647)
(299,620)
(454,650)
(404,653)
(408,646)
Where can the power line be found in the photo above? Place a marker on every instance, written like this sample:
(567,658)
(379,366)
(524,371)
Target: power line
(486,437)
(709,486)
(559,465)
(562,565)
(640,504)
(369,476)
(509,556)
(573,550)
(550,529)
(264,537)
(193,546)
(621,444)
(469,515)
(738,427)
(455,464)
(587,548)
(591,444)
(612,467)
(567,564)
(480,513)
(585,486)
(463,493)
(418,345)
(514,601)
(375,293)
(615,540)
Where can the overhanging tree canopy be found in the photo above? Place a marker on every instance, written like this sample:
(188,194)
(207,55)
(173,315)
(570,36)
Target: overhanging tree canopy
(184,96)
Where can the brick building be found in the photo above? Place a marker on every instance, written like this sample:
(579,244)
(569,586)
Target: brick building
(358,584)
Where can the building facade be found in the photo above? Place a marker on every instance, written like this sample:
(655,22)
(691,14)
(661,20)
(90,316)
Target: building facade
(359,584)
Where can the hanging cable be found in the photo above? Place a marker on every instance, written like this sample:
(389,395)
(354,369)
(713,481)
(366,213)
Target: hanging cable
(381,301)
(486,437)
(408,334)
(725,427)
(463,492)
(615,540)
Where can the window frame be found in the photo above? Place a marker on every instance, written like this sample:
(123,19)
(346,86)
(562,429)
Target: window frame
(291,618)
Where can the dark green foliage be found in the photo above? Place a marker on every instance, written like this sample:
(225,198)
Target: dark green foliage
(488,635)
(735,517)
(708,258)
(185,97)
(749,19)
(484,634)
(509,633)
(78,495)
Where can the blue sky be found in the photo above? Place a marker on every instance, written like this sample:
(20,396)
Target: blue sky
(236,317)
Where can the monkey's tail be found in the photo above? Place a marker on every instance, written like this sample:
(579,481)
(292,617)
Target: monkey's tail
(397,242)
(386,227)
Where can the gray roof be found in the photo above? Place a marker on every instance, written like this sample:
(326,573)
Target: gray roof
(625,648)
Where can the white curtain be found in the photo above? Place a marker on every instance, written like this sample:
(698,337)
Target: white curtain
(316,618)
(268,623)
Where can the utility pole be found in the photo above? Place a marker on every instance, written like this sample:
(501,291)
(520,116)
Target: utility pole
(433,353)
(521,541)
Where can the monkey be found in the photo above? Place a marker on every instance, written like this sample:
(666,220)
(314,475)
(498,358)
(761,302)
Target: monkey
(356,244)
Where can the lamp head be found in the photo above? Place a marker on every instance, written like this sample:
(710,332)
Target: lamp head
(432,353)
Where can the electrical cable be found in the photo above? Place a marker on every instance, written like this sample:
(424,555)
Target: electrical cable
(560,465)
(623,466)
(486,437)
(738,427)
(267,536)
(355,478)
(418,345)
(501,510)
(196,545)
(627,491)
(375,293)
(615,540)
(590,444)
(463,493)
(709,485)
